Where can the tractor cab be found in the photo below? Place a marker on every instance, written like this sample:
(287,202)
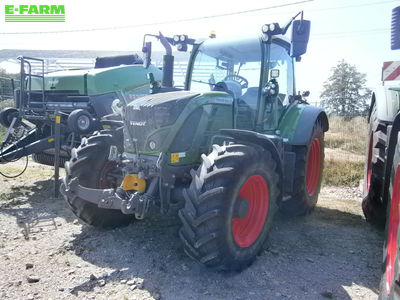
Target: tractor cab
(258,75)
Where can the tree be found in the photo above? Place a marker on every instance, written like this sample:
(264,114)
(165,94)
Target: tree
(5,74)
(344,92)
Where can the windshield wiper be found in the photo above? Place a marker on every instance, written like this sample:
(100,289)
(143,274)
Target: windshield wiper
(199,81)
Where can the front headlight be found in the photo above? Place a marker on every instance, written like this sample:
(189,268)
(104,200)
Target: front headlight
(152,145)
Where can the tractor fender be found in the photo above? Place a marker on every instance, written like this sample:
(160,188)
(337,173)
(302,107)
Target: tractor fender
(386,100)
(272,143)
(305,123)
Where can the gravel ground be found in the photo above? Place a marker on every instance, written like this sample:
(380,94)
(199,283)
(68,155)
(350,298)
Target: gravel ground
(45,253)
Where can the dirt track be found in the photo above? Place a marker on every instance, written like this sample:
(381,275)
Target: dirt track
(329,254)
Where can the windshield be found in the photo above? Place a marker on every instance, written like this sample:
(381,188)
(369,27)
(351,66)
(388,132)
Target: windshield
(214,62)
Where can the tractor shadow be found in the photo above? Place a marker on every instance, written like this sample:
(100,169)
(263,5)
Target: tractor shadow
(34,206)
(318,256)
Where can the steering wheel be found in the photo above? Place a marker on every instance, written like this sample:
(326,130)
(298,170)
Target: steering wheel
(244,83)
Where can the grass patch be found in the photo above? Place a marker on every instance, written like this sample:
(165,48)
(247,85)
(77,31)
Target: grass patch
(342,173)
(347,134)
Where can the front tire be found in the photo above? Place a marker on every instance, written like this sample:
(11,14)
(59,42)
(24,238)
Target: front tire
(89,163)
(229,206)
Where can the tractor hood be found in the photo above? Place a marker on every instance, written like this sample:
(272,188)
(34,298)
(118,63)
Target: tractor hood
(97,81)
(178,98)
(158,121)
(163,98)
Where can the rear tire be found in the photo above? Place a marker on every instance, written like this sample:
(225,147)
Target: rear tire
(390,281)
(229,206)
(308,175)
(373,208)
(89,163)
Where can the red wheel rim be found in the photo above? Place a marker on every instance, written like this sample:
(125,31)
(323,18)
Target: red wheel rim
(391,244)
(104,182)
(313,166)
(369,166)
(246,230)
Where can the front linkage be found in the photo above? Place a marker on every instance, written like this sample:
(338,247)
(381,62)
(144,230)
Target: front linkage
(149,179)
(137,204)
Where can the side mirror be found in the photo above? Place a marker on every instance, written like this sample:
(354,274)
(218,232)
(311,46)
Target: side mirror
(395,45)
(147,51)
(300,36)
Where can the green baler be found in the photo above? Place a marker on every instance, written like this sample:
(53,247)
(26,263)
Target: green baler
(83,98)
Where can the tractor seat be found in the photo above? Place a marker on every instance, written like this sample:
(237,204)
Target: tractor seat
(231,87)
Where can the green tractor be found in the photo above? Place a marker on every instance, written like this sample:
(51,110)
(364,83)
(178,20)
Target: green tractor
(226,152)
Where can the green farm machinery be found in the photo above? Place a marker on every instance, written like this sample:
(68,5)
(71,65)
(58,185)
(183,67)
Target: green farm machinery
(82,98)
(225,152)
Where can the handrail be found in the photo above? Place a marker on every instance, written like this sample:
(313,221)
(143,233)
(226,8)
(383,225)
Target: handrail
(25,60)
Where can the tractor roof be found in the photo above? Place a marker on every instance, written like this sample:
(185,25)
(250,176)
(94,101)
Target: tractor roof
(236,47)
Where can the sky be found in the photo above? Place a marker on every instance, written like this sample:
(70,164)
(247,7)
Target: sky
(357,31)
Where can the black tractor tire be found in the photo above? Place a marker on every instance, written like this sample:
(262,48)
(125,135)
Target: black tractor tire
(89,163)
(308,171)
(214,217)
(6,116)
(48,159)
(372,206)
(390,280)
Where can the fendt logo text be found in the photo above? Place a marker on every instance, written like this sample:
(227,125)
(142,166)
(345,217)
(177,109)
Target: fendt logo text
(34,13)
